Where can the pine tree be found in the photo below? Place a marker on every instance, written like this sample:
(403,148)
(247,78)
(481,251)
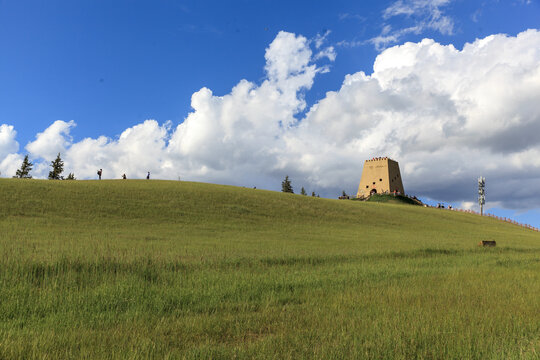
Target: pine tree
(57,169)
(344,193)
(303,191)
(24,171)
(286,185)
(71,176)
(313,193)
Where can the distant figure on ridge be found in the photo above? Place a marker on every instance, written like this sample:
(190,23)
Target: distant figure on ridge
(148,176)
(99,172)
(124,177)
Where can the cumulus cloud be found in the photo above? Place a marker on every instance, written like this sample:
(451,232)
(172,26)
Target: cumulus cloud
(230,138)
(447,115)
(52,141)
(8,144)
(139,149)
(10,160)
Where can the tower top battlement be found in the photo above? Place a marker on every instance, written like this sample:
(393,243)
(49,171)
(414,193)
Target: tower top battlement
(380,159)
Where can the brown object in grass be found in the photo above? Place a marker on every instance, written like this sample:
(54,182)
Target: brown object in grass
(490,243)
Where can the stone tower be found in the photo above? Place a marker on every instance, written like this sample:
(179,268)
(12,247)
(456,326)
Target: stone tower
(380,175)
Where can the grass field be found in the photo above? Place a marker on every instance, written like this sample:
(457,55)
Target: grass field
(163,269)
(392,199)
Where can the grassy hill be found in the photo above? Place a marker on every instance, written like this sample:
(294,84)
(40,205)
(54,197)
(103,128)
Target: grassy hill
(156,269)
(393,199)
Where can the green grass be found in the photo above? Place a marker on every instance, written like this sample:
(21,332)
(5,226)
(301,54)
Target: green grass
(393,199)
(163,269)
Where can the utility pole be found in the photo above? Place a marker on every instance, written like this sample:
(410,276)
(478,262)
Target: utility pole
(481,193)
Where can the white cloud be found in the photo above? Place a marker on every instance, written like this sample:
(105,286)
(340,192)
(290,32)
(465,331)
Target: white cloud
(222,139)
(447,115)
(236,137)
(319,39)
(357,17)
(9,164)
(139,149)
(415,7)
(288,55)
(422,15)
(467,205)
(329,53)
(8,144)
(10,160)
(52,141)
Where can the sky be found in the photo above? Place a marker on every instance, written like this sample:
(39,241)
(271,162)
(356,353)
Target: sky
(246,92)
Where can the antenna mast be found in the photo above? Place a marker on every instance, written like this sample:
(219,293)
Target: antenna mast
(481,193)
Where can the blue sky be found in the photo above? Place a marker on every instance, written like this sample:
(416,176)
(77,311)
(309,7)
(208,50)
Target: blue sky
(110,65)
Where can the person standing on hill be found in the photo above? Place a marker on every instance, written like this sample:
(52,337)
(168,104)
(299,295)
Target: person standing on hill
(99,172)
(148,176)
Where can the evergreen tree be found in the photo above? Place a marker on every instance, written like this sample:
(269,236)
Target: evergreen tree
(71,176)
(313,193)
(344,193)
(57,169)
(303,191)
(286,185)
(24,171)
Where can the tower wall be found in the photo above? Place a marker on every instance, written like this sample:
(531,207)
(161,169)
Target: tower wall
(380,175)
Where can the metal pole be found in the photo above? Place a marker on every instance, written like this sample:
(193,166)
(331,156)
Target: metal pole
(481,194)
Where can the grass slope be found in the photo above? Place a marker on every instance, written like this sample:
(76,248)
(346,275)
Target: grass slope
(393,199)
(162,269)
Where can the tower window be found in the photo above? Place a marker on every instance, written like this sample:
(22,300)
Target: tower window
(367,186)
(374,183)
(380,179)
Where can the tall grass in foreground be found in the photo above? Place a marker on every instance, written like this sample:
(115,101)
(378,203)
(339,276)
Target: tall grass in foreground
(156,269)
